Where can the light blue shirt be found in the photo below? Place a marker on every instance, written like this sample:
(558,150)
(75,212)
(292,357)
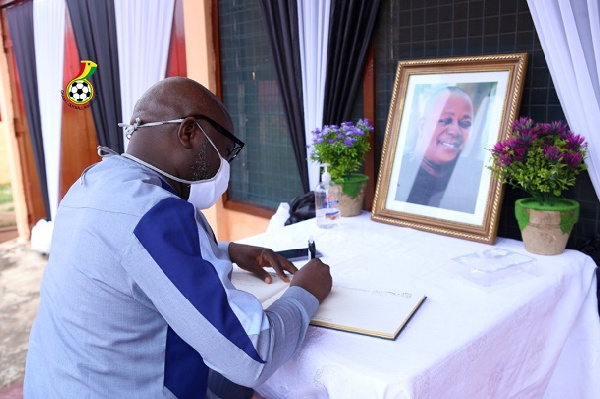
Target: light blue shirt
(136,300)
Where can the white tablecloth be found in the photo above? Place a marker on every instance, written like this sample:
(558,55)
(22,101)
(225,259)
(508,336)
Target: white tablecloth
(534,334)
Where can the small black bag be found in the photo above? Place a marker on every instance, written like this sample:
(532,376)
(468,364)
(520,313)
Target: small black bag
(302,208)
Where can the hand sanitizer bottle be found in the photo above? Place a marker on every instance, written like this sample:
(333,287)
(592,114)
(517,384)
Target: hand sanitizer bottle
(326,201)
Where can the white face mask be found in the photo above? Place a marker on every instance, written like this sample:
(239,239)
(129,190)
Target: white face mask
(206,193)
(203,193)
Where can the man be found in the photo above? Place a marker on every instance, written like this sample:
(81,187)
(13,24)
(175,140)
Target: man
(136,300)
(444,130)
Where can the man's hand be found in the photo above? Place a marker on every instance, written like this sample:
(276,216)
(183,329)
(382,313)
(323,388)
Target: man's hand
(255,259)
(315,278)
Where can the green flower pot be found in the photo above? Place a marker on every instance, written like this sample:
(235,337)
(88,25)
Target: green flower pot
(545,229)
(352,195)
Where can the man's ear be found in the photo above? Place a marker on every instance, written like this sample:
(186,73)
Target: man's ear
(186,132)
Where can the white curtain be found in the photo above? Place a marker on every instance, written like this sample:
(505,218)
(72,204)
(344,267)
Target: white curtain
(143,38)
(313,25)
(49,35)
(569,31)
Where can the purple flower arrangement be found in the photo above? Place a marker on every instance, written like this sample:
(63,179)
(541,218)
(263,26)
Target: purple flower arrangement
(343,147)
(543,159)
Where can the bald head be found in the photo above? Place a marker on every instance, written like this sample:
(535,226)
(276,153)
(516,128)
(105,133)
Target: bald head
(176,148)
(178,97)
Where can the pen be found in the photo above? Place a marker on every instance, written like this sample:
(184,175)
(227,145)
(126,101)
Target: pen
(312,249)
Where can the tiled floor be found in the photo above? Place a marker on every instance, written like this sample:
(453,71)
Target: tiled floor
(20,276)
(8,233)
(13,392)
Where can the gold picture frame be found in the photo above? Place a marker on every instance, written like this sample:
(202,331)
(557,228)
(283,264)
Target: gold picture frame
(445,115)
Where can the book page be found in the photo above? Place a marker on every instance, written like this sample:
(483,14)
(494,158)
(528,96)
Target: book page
(371,312)
(365,311)
(265,293)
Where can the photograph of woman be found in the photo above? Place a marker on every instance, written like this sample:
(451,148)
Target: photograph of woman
(444,152)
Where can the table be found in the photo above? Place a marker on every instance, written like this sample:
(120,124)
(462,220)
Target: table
(533,335)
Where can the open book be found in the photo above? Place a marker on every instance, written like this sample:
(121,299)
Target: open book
(376,313)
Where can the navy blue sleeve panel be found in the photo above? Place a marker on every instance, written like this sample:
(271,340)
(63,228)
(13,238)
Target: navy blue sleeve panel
(169,233)
(185,371)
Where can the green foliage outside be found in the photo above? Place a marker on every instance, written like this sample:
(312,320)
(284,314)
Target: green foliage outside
(7,218)
(5,194)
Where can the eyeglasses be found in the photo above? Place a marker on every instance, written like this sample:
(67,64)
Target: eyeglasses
(237,143)
(231,153)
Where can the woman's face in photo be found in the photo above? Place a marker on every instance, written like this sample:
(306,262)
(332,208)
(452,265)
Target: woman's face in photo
(447,126)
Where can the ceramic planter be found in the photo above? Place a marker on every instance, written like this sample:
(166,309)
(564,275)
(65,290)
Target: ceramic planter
(352,195)
(545,229)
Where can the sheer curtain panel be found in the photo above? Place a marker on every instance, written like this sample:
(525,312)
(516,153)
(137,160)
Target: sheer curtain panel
(569,31)
(49,35)
(313,25)
(143,35)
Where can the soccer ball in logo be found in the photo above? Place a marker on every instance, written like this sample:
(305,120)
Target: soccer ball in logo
(80,91)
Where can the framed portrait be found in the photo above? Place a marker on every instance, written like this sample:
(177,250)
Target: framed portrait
(445,115)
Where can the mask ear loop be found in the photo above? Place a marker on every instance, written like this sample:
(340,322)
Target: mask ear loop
(129,129)
(221,159)
(102,152)
(106,152)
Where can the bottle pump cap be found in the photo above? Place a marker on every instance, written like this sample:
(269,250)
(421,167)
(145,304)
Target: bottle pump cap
(325,177)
